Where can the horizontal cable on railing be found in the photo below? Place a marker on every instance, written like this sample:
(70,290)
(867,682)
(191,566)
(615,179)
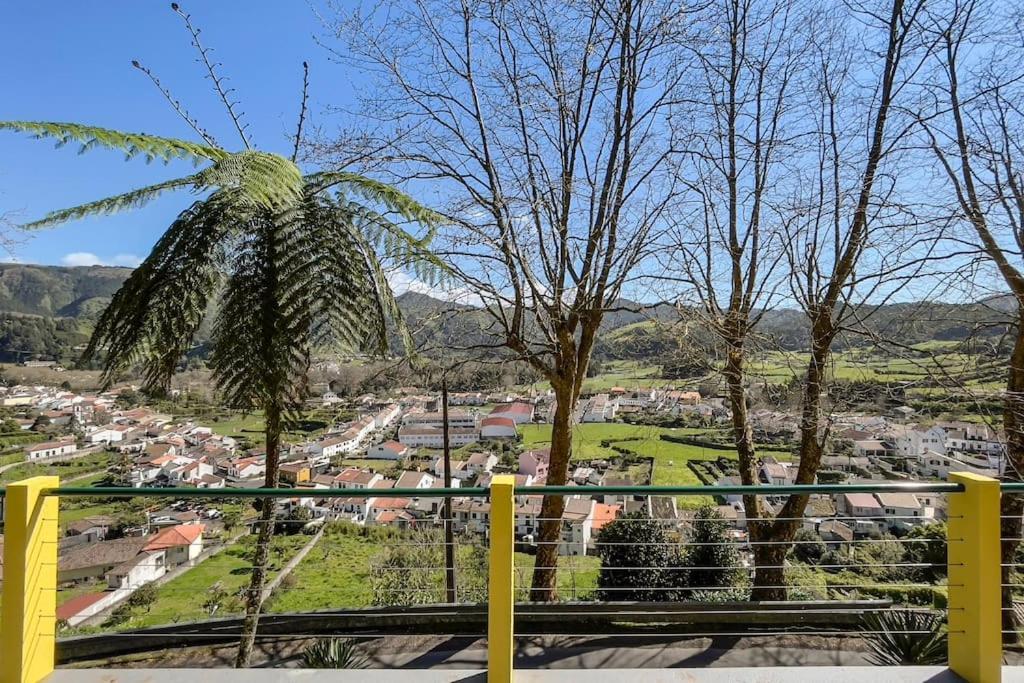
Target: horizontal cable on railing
(754,543)
(738,634)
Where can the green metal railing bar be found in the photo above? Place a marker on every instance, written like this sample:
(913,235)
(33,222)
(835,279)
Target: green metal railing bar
(765,490)
(184,492)
(481,492)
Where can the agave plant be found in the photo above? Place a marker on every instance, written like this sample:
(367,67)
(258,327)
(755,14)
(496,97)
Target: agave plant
(288,262)
(333,653)
(903,636)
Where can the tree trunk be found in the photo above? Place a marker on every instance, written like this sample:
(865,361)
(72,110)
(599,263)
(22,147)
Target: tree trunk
(268,507)
(769,574)
(1012,505)
(549,531)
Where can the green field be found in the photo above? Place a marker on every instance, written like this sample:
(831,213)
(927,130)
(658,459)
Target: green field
(669,458)
(337,574)
(935,362)
(616,373)
(67,469)
(181,599)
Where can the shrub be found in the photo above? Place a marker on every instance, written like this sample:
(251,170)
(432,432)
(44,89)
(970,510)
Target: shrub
(333,653)
(898,637)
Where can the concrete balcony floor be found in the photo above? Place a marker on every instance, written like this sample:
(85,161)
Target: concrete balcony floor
(846,674)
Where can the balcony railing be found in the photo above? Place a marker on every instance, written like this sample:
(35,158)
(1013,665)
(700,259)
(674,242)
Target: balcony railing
(971,607)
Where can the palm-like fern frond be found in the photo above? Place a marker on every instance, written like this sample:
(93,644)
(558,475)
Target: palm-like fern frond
(153,318)
(132,144)
(378,193)
(263,179)
(110,205)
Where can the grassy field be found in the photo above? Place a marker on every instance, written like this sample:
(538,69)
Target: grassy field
(670,458)
(337,574)
(181,599)
(73,514)
(70,468)
(935,362)
(616,373)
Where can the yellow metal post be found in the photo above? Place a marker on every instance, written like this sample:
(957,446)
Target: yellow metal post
(975,644)
(28,621)
(501,584)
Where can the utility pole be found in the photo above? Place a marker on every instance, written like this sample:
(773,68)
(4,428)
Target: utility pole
(449,537)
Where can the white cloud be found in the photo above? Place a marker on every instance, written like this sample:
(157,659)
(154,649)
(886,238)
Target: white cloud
(81,258)
(87,258)
(403,282)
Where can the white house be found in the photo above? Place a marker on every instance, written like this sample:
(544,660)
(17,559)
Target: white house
(536,463)
(418,436)
(145,567)
(389,450)
(415,480)
(459,470)
(180,544)
(517,411)
(600,409)
(110,433)
(352,478)
(49,449)
(456,418)
(246,468)
(903,509)
(479,463)
(912,443)
(498,428)
(859,505)
(386,415)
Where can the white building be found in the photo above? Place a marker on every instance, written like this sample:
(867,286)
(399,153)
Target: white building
(600,409)
(389,450)
(498,428)
(456,419)
(912,443)
(49,449)
(518,412)
(424,436)
(479,463)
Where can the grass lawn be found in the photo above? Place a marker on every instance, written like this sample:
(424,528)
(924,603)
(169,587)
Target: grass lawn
(10,458)
(69,468)
(669,458)
(336,573)
(73,514)
(181,599)
(369,464)
(65,594)
(577,576)
(250,426)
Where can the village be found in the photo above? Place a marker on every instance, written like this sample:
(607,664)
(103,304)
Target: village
(396,442)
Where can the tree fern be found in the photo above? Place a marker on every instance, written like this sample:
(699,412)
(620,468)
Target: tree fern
(297,264)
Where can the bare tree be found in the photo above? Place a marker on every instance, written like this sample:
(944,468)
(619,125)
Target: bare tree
(544,126)
(746,118)
(793,194)
(973,123)
(858,243)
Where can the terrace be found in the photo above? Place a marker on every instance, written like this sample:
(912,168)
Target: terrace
(490,627)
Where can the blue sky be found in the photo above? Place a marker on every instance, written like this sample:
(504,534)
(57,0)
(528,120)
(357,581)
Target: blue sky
(72,62)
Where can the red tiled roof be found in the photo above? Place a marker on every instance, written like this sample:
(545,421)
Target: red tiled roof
(76,605)
(498,421)
(520,408)
(172,537)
